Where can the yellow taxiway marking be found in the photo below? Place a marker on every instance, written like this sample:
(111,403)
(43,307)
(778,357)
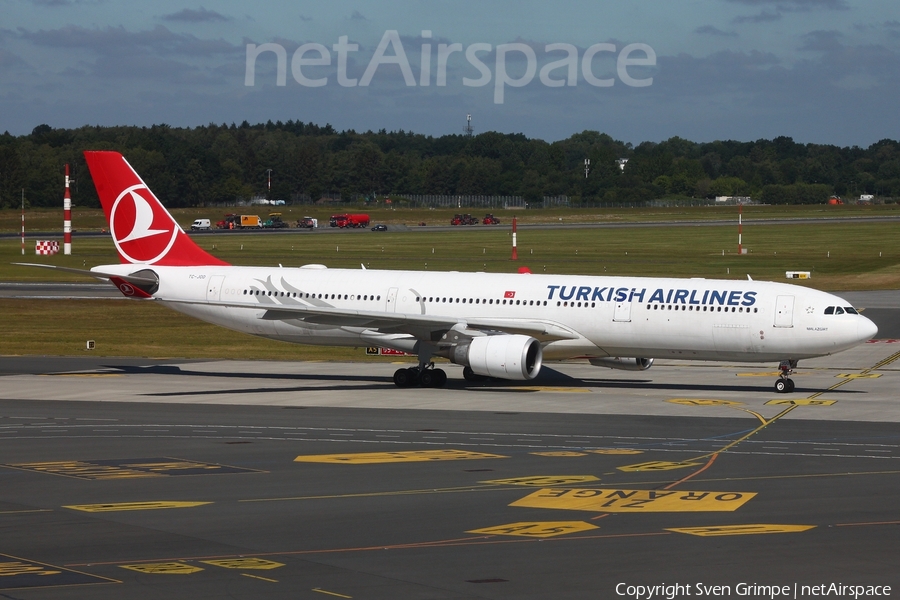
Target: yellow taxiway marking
(754,529)
(619,500)
(714,402)
(258,577)
(19,573)
(543,480)
(121,506)
(811,400)
(559,453)
(244,563)
(802,402)
(163,568)
(703,402)
(362,458)
(321,591)
(12,568)
(658,465)
(127,468)
(616,451)
(536,529)
(858,375)
(450,490)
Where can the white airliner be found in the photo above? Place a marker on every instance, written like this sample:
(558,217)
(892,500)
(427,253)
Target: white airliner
(497,325)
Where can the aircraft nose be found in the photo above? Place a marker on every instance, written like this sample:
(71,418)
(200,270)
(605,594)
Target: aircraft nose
(866,329)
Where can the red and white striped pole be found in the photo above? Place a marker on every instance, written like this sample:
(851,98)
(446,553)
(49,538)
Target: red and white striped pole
(23,221)
(740,227)
(515,253)
(67,217)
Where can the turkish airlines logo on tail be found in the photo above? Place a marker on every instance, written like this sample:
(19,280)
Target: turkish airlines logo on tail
(142,230)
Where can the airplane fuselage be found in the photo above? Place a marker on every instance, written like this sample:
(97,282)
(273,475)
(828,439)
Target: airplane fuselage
(697,319)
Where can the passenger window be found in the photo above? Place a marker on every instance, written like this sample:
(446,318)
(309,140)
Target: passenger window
(829,310)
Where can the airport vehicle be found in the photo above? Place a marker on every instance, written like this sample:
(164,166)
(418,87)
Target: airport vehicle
(380,228)
(307,223)
(349,220)
(232,221)
(274,221)
(490,219)
(497,325)
(200,225)
(465,219)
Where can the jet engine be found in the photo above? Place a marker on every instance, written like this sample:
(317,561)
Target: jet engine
(623,364)
(517,357)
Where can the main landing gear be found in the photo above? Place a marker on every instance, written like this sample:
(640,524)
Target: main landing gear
(425,376)
(785,385)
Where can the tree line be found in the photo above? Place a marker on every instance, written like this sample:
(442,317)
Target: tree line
(220,163)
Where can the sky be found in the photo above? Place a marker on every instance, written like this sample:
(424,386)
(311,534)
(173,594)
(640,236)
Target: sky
(819,71)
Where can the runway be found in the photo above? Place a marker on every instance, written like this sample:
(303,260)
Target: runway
(186,479)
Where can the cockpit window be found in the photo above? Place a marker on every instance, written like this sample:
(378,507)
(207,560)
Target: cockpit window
(829,310)
(850,310)
(838,310)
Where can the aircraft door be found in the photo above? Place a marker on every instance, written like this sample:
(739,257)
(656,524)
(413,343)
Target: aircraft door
(214,288)
(391,304)
(784,311)
(623,312)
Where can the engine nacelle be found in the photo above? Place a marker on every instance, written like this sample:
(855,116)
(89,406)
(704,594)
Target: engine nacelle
(516,357)
(623,364)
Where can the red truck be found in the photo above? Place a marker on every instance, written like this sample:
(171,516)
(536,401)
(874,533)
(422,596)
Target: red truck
(465,219)
(349,220)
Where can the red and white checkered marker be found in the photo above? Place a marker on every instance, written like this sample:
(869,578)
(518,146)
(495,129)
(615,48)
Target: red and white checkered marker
(46,247)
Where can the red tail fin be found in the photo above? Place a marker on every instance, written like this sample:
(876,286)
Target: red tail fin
(142,229)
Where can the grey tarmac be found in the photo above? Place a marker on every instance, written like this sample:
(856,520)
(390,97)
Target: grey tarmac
(245,479)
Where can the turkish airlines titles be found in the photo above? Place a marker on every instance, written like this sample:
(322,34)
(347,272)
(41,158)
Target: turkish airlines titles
(663,296)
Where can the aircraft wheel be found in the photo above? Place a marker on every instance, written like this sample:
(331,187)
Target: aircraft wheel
(781,386)
(403,378)
(469,375)
(426,378)
(440,378)
(790,385)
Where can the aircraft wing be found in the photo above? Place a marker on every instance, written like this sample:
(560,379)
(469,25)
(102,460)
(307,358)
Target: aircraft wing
(425,327)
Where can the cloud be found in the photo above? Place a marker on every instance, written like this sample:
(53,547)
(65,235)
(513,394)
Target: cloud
(357,16)
(118,40)
(797,5)
(762,17)
(196,16)
(710,30)
(822,41)
(8,59)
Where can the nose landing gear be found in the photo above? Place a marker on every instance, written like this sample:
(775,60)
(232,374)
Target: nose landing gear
(785,385)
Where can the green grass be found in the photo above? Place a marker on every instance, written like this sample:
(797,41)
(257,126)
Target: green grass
(841,256)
